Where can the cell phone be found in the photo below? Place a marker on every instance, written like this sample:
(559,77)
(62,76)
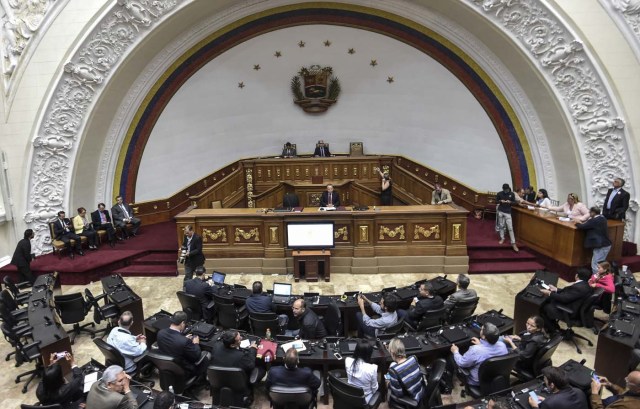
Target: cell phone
(595,377)
(337,355)
(387,376)
(61,355)
(534,396)
(543,285)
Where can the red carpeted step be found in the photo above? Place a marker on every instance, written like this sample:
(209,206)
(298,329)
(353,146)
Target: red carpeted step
(157,258)
(501,254)
(151,270)
(505,267)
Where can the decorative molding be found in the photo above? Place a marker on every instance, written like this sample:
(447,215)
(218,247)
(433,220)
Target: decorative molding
(574,75)
(84,75)
(626,15)
(219,235)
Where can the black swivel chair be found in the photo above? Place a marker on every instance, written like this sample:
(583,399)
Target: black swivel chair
(108,312)
(54,406)
(431,395)
(462,310)
(346,396)
(191,305)
(171,373)
(541,360)
(494,375)
(24,353)
(229,387)
(229,315)
(20,297)
(289,397)
(73,309)
(431,318)
(290,201)
(112,356)
(16,313)
(582,317)
(332,320)
(259,325)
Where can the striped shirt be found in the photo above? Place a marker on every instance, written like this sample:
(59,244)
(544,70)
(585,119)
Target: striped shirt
(409,373)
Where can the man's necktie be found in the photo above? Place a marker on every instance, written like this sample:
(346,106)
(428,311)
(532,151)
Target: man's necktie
(126,214)
(330,201)
(611,196)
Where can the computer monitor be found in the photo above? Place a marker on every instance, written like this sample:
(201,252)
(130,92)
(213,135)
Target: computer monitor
(282,289)
(218,277)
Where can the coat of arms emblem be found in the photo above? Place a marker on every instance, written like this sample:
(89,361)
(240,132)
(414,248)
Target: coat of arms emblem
(320,91)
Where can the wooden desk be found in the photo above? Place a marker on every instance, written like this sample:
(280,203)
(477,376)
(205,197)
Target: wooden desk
(312,260)
(125,299)
(562,241)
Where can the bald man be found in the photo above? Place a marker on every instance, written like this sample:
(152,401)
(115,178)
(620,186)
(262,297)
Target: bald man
(622,398)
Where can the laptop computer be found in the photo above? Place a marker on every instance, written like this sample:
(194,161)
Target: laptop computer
(454,335)
(281,293)
(623,328)
(347,346)
(218,277)
(411,343)
(548,277)
(631,308)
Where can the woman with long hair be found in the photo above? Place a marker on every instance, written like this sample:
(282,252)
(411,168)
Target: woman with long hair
(360,371)
(53,388)
(528,343)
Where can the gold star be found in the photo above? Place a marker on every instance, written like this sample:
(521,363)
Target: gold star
(301,44)
(277,54)
(352,51)
(373,63)
(256,67)
(389,80)
(327,43)
(241,85)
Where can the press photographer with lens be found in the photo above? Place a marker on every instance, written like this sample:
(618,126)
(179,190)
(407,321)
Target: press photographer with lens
(191,252)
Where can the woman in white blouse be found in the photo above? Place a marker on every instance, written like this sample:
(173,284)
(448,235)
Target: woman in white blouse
(542,199)
(360,371)
(574,209)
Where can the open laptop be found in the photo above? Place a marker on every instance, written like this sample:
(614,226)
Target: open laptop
(218,277)
(281,293)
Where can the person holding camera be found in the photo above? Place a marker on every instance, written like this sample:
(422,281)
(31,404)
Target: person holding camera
(386,194)
(53,388)
(191,252)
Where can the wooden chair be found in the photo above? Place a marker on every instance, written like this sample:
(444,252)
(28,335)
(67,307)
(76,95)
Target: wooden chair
(58,245)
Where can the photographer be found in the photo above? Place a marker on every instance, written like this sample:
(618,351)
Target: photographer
(191,252)
(386,193)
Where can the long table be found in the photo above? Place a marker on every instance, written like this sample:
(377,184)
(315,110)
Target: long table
(125,299)
(562,241)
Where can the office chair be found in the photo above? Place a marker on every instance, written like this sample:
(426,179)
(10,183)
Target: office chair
(58,246)
(191,305)
(494,375)
(10,310)
(259,326)
(431,395)
(172,373)
(24,353)
(290,201)
(332,320)
(582,317)
(291,397)
(230,316)
(53,406)
(108,312)
(229,387)
(20,330)
(20,297)
(541,360)
(462,310)
(73,309)
(431,318)
(346,396)
(112,356)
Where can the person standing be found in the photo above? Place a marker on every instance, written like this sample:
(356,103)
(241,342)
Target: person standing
(440,195)
(596,237)
(505,199)
(22,257)
(82,227)
(330,198)
(194,257)
(616,202)
(386,192)
(123,215)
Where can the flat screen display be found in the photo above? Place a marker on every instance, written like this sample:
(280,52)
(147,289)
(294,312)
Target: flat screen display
(310,235)
(218,277)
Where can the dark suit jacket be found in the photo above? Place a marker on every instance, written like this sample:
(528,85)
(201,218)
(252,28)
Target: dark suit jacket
(259,303)
(423,305)
(173,343)
(326,151)
(310,326)
(69,392)
(59,231)
(282,376)
(203,292)
(335,198)
(234,358)
(572,295)
(95,218)
(118,214)
(596,234)
(195,257)
(568,398)
(22,255)
(290,152)
(619,205)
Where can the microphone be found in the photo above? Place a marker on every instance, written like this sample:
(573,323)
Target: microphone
(48,320)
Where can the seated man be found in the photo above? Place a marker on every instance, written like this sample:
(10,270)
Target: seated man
(203,291)
(259,302)
(481,350)
(570,296)
(102,221)
(463,294)
(172,343)
(440,196)
(165,400)
(330,198)
(83,227)
(112,391)
(322,150)
(386,309)
(425,301)
(130,346)
(123,215)
(563,396)
(310,325)
(288,151)
(628,397)
(63,231)
(290,375)
(228,354)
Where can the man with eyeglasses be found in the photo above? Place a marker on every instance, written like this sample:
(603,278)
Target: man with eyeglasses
(622,398)
(112,391)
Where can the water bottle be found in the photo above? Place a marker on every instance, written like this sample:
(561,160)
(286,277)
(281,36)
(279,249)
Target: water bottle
(171,389)
(267,357)
(268,333)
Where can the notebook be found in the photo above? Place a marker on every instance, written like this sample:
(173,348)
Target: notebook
(454,335)
(281,293)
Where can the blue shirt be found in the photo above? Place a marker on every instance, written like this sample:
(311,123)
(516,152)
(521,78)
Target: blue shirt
(476,355)
(386,319)
(122,340)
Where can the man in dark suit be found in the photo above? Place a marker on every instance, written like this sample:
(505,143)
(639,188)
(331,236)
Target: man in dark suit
(322,150)
(228,354)
(570,296)
(425,301)
(259,302)
(192,249)
(102,221)
(310,325)
(616,202)
(63,231)
(288,151)
(290,375)
(330,198)
(185,349)
(123,215)
(596,237)
(112,391)
(22,257)
(202,290)
(563,396)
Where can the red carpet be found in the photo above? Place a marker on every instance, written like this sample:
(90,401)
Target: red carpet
(154,250)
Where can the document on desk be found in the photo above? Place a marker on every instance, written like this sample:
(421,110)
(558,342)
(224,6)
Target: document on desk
(89,380)
(297,344)
(322,209)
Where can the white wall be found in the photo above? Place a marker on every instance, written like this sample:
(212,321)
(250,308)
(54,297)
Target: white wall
(426,113)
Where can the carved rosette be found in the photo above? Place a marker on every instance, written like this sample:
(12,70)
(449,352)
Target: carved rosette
(247,234)
(574,75)
(426,232)
(342,233)
(218,236)
(392,233)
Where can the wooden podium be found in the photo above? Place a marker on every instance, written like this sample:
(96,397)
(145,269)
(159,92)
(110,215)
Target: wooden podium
(312,260)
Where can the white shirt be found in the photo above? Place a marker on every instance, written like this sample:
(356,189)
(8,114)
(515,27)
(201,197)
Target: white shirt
(365,377)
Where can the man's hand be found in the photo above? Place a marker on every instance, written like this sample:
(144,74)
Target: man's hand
(141,339)
(475,341)
(195,339)
(454,349)
(604,382)
(595,387)
(253,345)
(553,288)
(533,403)
(125,384)
(545,292)
(361,301)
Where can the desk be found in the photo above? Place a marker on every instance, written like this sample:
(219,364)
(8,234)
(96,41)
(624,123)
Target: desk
(312,260)
(125,299)
(543,232)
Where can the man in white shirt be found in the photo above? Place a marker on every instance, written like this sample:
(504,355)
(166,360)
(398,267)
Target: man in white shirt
(130,346)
